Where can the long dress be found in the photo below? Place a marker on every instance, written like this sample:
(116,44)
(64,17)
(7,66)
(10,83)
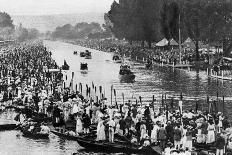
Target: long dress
(79,127)
(154,133)
(184,138)
(143,131)
(211,134)
(101,131)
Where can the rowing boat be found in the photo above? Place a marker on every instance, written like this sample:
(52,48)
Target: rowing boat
(4,127)
(35,135)
(65,136)
(89,142)
(116,147)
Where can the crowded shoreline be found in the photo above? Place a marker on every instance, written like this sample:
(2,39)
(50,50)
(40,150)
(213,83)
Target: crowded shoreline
(30,84)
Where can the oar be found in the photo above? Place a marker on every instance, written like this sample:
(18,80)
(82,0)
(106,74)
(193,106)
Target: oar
(140,99)
(123,98)
(111,94)
(89,91)
(100,90)
(115,97)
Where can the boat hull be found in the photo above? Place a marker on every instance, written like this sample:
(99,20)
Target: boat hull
(88,57)
(114,147)
(130,78)
(4,127)
(35,136)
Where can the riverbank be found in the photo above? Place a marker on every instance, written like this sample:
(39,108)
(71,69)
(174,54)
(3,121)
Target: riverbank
(70,100)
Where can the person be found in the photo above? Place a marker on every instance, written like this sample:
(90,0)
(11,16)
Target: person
(122,124)
(184,137)
(220,144)
(211,133)
(177,137)
(138,131)
(86,122)
(112,125)
(154,133)
(44,129)
(143,130)
(101,131)
(169,129)
(189,141)
(162,135)
(79,127)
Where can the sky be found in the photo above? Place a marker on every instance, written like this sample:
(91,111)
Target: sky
(44,7)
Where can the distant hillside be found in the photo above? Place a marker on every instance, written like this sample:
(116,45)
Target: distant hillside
(49,22)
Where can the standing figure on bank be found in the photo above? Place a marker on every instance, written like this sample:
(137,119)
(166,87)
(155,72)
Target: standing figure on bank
(79,127)
(154,133)
(86,123)
(211,133)
(162,136)
(112,125)
(177,137)
(101,131)
(220,145)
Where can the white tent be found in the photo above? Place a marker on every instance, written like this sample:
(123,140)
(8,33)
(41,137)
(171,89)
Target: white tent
(162,43)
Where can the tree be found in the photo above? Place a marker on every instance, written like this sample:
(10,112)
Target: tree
(202,20)
(136,20)
(5,20)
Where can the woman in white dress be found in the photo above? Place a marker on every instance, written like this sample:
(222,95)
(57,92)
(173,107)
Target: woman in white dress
(221,118)
(143,131)
(101,131)
(154,133)
(211,133)
(79,126)
(184,138)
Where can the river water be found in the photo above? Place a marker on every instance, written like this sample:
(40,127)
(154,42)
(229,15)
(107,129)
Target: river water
(103,72)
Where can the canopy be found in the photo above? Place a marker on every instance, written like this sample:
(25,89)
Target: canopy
(162,43)
(188,43)
(172,42)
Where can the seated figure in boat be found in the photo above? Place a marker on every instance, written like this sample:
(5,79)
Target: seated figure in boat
(44,129)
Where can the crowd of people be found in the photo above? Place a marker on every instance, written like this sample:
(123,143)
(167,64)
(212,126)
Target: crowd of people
(167,54)
(26,80)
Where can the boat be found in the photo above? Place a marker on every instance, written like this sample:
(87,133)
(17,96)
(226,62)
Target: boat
(71,137)
(88,55)
(221,72)
(35,135)
(148,64)
(84,66)
(125,73)
(116,147)
(82,54)
(65,66)
(74,52)
(4,127)
(117,58)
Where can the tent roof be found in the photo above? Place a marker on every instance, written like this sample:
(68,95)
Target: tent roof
(162,43)
(172,42)
(188,40)
(189,43)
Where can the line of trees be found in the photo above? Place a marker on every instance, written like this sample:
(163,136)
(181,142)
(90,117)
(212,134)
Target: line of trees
(80,31)
(209,21)
(9,31)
